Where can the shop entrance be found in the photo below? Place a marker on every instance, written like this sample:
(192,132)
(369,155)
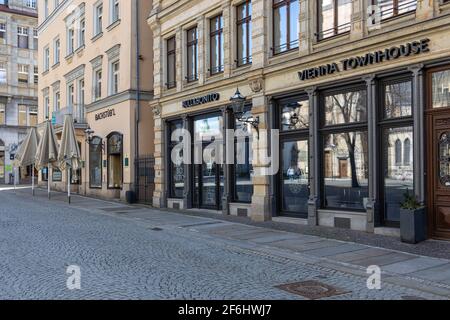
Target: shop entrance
(438,129)
(209,175)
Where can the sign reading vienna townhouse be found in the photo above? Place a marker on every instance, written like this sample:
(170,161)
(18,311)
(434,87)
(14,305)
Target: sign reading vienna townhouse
(201,100)
(105,114)
(408,49)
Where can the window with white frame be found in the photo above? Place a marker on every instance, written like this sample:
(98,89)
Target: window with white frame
(36,75)
(82,33)
(98,19)
(35,39)
(114,80)
(70,95)
(56,4)
(2,33)
(57,100)
(57,51)
(46,10)
(70,40)
(81,92)
(2,113)
(46,59)
(97,84)
(27,115)
(115,10)
(22,73)
(46,106)
(3,73)
(22,37)
(31,4)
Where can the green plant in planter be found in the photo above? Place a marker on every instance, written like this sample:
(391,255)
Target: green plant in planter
(410,201)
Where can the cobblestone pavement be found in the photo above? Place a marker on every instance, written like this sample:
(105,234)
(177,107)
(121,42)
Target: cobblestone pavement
(127,252)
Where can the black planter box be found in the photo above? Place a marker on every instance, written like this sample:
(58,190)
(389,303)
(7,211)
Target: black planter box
(413,225)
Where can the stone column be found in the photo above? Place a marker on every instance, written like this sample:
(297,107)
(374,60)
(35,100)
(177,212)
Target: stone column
(261,181)
(226,197)
(259,34)
(425,9)
(188,170)
(227,21)
(305,40)
(419,134)
(358,20)
(372,205)
(273,178)
(158,73)
(314,154)
(160,192)
(202,63)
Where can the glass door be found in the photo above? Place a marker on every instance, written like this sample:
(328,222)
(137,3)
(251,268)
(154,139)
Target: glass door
(294,177)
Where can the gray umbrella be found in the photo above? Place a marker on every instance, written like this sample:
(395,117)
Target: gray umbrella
(47,151)
(69,152)
(26,155)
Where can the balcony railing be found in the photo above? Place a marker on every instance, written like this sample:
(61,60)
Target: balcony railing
(77,112)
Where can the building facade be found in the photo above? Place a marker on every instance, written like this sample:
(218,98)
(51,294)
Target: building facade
(347,103)
(18,80)
(95,61)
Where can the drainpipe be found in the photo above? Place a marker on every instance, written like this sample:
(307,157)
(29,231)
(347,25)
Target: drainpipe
(138,95)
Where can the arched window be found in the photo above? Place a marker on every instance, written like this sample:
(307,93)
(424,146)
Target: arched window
(115,156)
(95,163)
(407,152)
(398,152)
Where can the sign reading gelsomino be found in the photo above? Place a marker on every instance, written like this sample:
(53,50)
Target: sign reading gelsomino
(201,100)
(404,50)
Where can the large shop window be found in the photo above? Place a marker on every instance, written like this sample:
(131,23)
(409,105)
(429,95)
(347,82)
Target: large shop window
(192,55)
(391,8)
(95,163)
(176,167)
(216,45)
(334,17)
(294,174)
(115,156)
(244,33)
(345,150)
(285,25)
(243,169)
(397,146)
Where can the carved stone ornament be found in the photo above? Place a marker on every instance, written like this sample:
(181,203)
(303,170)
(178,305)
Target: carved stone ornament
(256,85)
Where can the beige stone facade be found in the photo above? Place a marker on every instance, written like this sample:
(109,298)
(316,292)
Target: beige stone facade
(271,78)
(96,63)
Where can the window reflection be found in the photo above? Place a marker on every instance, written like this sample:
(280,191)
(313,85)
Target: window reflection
(177,168)
(244,33)
(334,17)
(295,115)
(398,100)
(243,168)
(285,19)
(441,89)
(398,167)
(346,170)
(344,108)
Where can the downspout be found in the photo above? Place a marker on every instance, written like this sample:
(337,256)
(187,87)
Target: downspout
(138,96)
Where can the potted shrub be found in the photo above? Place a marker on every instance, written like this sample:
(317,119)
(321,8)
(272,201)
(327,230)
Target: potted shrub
(413,220)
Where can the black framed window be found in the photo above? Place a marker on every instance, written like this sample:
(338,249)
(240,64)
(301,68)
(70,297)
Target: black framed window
(176,167)
(244,33)
(294,156)
(115,158)
(243,168)
(334,17)
(56,175)
(171,63)
(216,44)
(192,55)
(345,149)
(392,8)
(44,173)
(95,163)
(285,25)
(396,154)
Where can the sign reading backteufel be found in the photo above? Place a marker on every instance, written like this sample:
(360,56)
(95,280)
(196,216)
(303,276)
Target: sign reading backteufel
(405,50)
(201,100)
(105,114)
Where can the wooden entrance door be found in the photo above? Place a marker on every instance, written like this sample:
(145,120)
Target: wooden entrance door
(343,168)
(438,155)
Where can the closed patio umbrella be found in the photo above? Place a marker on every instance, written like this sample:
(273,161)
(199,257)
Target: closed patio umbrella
(26,155)
(69,152)
(47,151)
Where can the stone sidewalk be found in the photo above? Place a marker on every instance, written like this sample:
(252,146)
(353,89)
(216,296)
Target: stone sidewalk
(415,271)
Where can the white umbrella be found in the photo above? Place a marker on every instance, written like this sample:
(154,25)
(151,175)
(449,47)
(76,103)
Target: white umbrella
(47,151)
(26,155)
(69,152)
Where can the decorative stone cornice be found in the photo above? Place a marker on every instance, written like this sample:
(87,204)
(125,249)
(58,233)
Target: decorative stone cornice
(114,52)
(97,61)
(56,85)
(76,73)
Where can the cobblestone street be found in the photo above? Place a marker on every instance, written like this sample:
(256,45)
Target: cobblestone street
(133,252)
